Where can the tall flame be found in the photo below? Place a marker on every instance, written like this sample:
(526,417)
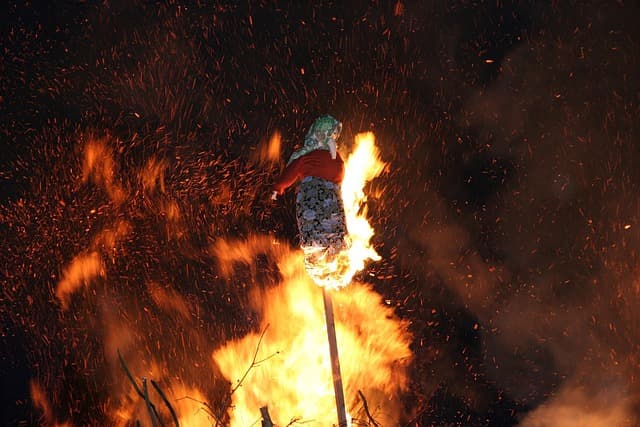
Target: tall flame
(286,366)
(288,369)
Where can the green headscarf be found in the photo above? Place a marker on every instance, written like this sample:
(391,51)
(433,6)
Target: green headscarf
(321,136)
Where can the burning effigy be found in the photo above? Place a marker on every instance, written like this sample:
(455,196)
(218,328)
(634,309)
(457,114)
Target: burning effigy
(288,369)
(321,221)
(334,235)
(320,215)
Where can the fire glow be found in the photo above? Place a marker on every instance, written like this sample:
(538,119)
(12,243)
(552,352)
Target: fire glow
(285,364)
(287,367)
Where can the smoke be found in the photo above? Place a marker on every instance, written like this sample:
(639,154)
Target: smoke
(519,219)
(531,247)
(575,406)
(560,222)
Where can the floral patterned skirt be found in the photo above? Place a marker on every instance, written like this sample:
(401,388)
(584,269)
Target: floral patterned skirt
(321,221)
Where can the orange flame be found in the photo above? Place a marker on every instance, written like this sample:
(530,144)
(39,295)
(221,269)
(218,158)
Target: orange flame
(268,152)
(362,166)
(152,176)
(89,265)
(168,299)
(82,269)
(287,367)
(40,401)
(188,403)
(99,168)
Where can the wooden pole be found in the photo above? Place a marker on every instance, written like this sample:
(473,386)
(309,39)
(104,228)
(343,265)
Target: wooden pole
(335,361)
(266,419)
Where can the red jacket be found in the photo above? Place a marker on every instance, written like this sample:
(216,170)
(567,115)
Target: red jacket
(317,163)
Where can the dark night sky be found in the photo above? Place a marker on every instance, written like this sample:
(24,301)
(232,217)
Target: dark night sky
(507,220)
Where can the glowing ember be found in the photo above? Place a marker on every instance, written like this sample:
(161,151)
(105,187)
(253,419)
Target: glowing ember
(361,167)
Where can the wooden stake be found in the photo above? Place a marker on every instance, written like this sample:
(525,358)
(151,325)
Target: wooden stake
(335,361)
(266,419)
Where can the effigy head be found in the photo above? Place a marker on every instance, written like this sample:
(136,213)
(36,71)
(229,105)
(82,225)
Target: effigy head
(323,134)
